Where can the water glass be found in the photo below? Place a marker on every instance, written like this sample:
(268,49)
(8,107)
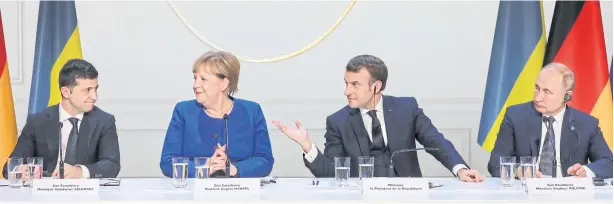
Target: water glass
(201,167)
(528,168)
(342,171)
(35,170)
(507,169)
(15,170)
(365,167)
(180,172)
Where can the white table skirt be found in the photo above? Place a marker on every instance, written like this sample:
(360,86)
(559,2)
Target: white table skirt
(302,190)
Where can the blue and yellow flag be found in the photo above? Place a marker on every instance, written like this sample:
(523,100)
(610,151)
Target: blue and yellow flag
(516,59)
(57,41)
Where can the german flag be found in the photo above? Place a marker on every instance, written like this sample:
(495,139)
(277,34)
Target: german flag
(576,39)
(8,126)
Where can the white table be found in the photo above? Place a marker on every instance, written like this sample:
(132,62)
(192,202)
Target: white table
(302,190)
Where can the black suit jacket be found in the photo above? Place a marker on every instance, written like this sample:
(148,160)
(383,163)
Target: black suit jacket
(97,145)
(405,123)
(520,135)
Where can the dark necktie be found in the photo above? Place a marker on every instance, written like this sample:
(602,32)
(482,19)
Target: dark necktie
(71,145)
(547,164)
(377,145)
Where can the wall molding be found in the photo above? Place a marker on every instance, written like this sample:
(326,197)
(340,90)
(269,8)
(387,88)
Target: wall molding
(423,101)
(20,59)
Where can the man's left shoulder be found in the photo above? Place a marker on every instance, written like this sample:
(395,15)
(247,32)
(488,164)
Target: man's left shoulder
(101,114)
(582,119)
(402,100)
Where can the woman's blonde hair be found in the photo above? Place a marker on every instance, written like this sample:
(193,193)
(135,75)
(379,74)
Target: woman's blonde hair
(221,64)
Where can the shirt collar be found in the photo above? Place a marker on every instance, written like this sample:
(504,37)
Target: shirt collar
(379,107)
(559,116)
(64,115)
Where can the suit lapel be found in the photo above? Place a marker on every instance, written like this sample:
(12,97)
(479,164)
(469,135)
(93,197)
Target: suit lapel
(568,140)
(358,126)
(391,129)
(84,139)
(52,128)
(535,131)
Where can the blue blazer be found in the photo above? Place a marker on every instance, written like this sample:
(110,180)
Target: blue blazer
(520,135)
(405,123)
(192,133)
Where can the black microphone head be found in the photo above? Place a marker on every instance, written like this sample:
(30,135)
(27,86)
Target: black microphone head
(61,124)
(225,116)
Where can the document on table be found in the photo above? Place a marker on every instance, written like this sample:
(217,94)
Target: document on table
(4,182)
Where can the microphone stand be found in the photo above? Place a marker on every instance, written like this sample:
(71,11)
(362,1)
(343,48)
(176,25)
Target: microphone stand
(391,167)
(61,164)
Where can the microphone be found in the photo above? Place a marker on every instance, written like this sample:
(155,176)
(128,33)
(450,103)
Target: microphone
(61,165)
(391,167)
(226,150)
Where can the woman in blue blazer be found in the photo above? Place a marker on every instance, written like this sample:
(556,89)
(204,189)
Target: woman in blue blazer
(197,127)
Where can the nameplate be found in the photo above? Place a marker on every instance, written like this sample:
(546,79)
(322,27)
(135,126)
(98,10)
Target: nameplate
(227,189)
(565,187)
(395,186)
(77,188)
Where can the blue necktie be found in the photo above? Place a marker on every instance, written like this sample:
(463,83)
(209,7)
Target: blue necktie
(547,164)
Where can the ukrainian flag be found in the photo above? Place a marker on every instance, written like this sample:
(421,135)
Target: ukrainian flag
(516,59)
(57,41)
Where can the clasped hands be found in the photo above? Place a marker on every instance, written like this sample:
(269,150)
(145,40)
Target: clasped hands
(218,161)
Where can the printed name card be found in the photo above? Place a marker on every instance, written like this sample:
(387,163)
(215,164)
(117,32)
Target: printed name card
(65,186)
(417,187)
(227,189)
(566,187)
(75,189)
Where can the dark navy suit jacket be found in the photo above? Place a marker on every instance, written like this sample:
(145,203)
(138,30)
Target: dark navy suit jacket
(520,135)
(97,144)
(347,136)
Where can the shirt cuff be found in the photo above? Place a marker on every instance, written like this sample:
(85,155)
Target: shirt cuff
(589,172)
(457,168)
(85,172)
(312,154)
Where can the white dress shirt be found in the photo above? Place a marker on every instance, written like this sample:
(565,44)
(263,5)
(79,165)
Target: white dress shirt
(66,128)
(557,126)
(367,120)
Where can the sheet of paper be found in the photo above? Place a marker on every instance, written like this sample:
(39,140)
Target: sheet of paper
(4,182)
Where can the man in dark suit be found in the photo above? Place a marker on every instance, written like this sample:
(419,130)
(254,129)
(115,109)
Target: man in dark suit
(561,137)
(88,134)
(377,125)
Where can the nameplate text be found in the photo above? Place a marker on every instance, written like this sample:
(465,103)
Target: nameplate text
(226,188)
(567,187)
(78,187)
(395,186)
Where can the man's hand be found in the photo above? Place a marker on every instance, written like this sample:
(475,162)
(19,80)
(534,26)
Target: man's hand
(70,172)
(25,173)
(538,174)
(576,170)
(470,175)
(298,134)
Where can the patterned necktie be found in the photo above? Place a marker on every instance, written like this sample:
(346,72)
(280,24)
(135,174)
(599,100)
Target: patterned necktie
(377,145)
(71,145)
(547,164)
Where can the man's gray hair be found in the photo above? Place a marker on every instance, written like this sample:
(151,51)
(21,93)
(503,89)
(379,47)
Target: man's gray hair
(569,78)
